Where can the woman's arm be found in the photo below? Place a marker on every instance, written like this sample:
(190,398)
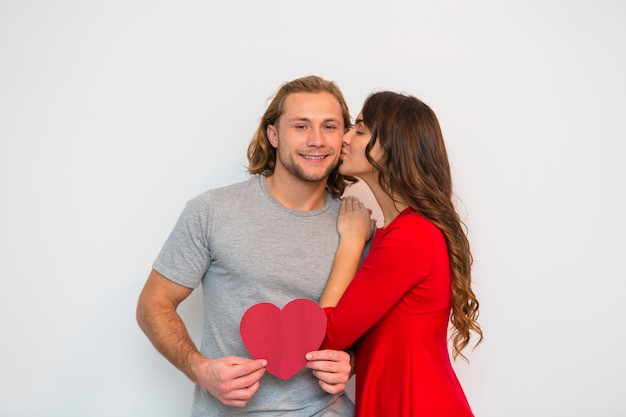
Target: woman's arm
(400,259)
(355,227)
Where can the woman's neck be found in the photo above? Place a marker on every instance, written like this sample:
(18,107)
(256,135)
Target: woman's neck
(391,209)
(389,206)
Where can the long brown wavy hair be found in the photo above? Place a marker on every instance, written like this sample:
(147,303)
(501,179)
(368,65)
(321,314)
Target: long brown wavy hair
(414,168)
(262,155)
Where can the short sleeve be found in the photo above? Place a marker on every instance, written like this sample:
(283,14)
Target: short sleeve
(185,256)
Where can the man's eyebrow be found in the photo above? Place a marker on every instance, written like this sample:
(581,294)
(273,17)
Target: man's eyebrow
(299,119)
(306,119)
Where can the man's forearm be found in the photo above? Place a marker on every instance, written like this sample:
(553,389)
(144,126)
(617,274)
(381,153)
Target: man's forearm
(167,332)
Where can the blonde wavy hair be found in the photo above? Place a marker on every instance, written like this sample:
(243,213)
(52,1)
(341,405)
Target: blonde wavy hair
(262,155)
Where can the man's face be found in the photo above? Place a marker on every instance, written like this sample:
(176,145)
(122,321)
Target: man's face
(308,136)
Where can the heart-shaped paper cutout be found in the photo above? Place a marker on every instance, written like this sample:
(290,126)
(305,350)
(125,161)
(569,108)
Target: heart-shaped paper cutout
(283,337)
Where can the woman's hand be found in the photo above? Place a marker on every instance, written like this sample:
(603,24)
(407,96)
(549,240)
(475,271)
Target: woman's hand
(355,221)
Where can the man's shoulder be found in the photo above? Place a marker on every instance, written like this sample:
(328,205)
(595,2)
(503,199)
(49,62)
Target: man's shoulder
(234,189)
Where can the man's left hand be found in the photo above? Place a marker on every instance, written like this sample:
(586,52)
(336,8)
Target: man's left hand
(332,367)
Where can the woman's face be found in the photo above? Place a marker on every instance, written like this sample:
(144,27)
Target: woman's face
(353,158)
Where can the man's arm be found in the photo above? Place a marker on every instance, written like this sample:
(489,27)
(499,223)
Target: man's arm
(232,380)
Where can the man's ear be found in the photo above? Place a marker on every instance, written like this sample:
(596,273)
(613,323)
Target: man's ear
(272,135)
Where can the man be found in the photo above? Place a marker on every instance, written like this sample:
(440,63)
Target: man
(272,239)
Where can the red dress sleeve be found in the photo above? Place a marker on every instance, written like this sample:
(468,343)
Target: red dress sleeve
(401,256)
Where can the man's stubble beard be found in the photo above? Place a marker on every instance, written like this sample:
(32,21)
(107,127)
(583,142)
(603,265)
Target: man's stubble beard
(288,161)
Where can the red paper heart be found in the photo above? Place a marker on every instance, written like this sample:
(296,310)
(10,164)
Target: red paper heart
(284,336)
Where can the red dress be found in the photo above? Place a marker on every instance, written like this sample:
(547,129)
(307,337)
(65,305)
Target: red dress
(397,310)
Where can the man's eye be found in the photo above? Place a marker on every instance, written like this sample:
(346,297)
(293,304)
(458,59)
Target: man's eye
(300,127)
(330,127)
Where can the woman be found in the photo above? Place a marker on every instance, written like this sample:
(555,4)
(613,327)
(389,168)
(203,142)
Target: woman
(416,278)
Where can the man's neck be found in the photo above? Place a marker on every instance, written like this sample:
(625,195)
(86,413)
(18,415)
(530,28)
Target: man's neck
(296,194)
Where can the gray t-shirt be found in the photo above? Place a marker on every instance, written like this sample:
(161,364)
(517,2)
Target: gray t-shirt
(245,248)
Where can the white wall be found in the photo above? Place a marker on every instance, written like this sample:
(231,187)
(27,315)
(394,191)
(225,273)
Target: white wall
(114,113)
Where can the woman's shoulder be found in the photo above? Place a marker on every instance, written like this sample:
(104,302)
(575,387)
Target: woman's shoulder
(414,226)
(410,217)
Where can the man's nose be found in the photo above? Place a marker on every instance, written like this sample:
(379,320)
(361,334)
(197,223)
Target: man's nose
(316,137)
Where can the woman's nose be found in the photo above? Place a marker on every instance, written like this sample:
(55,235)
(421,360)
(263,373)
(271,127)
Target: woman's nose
(347,137)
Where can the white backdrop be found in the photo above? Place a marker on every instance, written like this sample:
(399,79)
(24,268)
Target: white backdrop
(114,113)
